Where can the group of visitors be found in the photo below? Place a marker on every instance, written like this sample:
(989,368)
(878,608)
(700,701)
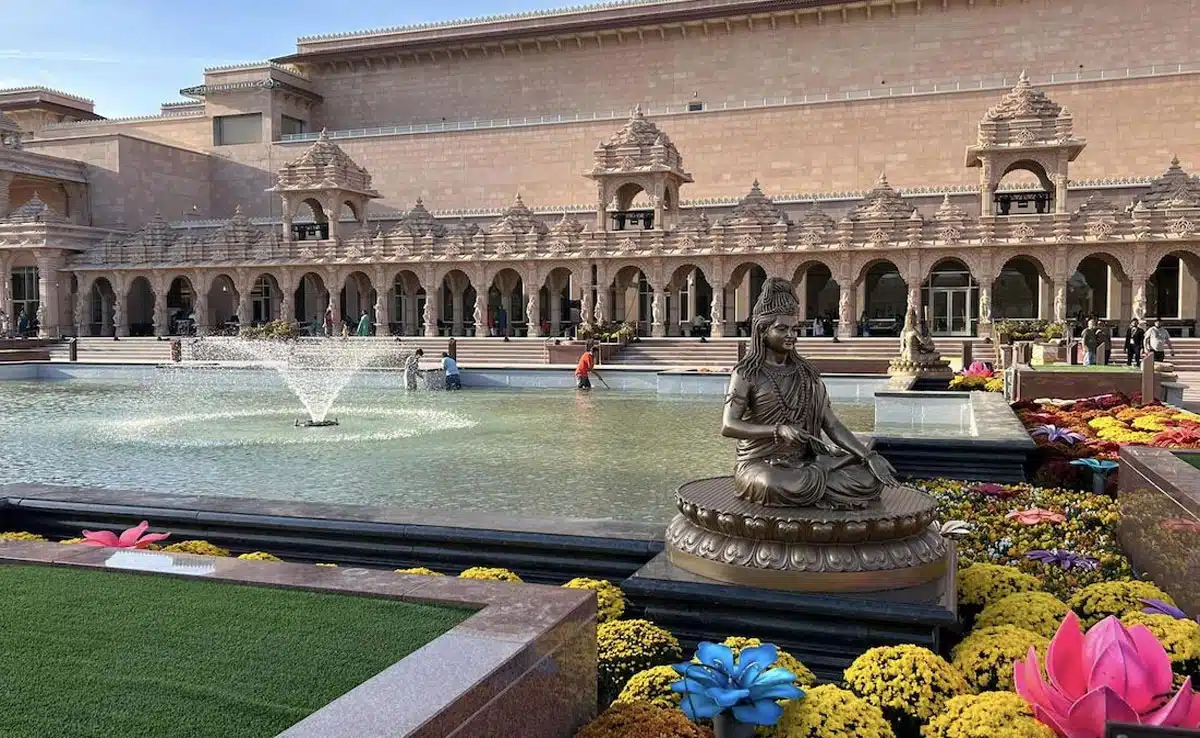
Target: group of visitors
(413,372)
(1154,340)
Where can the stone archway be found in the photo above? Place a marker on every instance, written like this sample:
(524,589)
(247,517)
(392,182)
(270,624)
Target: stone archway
(883,296)
(819,294)
(310,300)
(631,296)
(689,296)
(265,299)
(554,303)
(506,303)
(457,303)
(356,299)
(181,307)
(139,307)
(950,299)
(103,316)
(1022,290)
(408,304)
(746,282)
(1173,288)
(222,305)
(1098,287)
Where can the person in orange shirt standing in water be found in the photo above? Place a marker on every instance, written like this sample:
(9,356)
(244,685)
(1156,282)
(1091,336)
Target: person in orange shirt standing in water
(585,368)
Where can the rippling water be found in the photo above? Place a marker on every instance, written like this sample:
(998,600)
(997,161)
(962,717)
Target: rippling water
(538,454)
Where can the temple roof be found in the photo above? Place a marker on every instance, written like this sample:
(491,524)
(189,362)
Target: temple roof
(517,219)
(324,166)
(419,222)
(949,211)
(1174,188)
(568,225)
(755,209)
(639,146)
(35,211)
(236,230)
(1024,101)
(882,203)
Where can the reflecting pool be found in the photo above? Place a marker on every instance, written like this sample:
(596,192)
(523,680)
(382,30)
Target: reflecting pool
(536,453)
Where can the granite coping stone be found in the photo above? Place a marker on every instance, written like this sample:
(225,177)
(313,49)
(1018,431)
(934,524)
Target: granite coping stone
(323,516)
(520,633)
(1165,468)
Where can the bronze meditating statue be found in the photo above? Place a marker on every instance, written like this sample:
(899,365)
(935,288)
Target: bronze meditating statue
(779,410)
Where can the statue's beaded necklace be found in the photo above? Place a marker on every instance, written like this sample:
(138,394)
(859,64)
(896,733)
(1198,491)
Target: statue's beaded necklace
(801,407)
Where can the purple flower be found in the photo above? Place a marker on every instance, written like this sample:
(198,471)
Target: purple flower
(1053,433)
(1158,607)
(995,490)
(1065,559)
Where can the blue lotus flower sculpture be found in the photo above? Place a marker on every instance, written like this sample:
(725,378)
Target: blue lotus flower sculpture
(1098,466)
(745,684)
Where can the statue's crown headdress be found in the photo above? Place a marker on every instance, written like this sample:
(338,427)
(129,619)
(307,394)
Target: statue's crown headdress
(778,297)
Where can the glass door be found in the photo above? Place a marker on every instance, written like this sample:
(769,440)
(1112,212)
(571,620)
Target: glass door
(951,312)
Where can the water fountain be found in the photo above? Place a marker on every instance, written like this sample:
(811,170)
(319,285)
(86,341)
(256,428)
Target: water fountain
(316,370)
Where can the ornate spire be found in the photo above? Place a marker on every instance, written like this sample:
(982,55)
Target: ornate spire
(236,230)
(949,211)
(639,146)
(517,219)
(568,225)
(1174,188)
(1024,101)
(419,222)
(324,165)
(882,203)
(755,209)
(35,211)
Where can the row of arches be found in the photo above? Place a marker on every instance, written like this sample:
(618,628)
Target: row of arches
(952,298)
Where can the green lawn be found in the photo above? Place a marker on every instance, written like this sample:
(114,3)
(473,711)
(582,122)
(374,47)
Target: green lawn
(1192,458)
(96,653)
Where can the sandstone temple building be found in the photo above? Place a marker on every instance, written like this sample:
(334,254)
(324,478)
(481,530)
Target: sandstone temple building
(880,154)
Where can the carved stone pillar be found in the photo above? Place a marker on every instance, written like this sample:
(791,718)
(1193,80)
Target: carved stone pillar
(6,316)
(1139,296)
(244,314)
(48,296)
(658,309)
(533,313)
(586,311)
(6,179)
(80,316)
(847,325)
(200,309)
(162,322)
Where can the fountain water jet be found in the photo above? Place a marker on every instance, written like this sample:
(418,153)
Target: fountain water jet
(316,370)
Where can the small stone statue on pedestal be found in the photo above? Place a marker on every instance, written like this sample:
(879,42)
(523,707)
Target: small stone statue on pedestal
(919,357)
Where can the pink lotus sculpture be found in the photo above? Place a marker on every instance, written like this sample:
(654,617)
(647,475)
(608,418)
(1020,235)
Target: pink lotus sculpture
(135,537)
(1111,674)
(978,369)
(1035,515)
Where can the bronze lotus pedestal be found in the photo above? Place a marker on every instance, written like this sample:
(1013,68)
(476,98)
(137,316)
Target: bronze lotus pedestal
(889,544)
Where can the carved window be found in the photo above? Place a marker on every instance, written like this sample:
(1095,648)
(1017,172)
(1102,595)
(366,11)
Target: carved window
(229,130)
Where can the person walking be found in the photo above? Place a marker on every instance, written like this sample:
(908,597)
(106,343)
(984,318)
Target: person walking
(1091,342)
(1158,341)
(1134,340)
(412,368)
(329,321)
(364,325)
(450,368)
(23,324)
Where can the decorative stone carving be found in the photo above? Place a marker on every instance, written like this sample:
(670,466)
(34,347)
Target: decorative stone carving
(518,220)
(1174,188)
(1024,232)
(237,231)
(1181,228)
(919,357)
(882,203)
(418,222)
(755,209)
(324,166)
(35,211)
(1024,101)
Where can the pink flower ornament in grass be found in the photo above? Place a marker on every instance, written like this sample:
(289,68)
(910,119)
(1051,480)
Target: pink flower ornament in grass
(1036,515)
(978,369)
(135,537)
(1110,674)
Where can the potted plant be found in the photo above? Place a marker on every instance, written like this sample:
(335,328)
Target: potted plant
(1051,345)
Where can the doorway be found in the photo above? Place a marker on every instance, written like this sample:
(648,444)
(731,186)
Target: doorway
(951,311)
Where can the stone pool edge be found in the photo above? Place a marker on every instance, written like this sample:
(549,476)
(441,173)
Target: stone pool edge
(525,641)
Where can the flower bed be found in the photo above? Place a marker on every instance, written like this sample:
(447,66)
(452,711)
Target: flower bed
(1031,559)
(1097,428)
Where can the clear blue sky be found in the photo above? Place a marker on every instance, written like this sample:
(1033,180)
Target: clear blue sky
(132,55)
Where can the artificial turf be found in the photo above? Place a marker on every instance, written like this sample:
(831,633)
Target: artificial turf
(98,653)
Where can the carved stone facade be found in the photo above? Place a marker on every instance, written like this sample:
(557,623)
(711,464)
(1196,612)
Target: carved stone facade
(426,275)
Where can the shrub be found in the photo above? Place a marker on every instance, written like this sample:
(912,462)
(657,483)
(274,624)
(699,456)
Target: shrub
(987,655)
(982,584)
(494,574)
(72,541)
(992,714)
(276,330)
(652,685)
(909,683)
(831,712)
(21,536)
(259,556)
(421,571)
(1039,612)
(610,600)
(642,720)
(1097,601)
(200,548)
(625,647)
